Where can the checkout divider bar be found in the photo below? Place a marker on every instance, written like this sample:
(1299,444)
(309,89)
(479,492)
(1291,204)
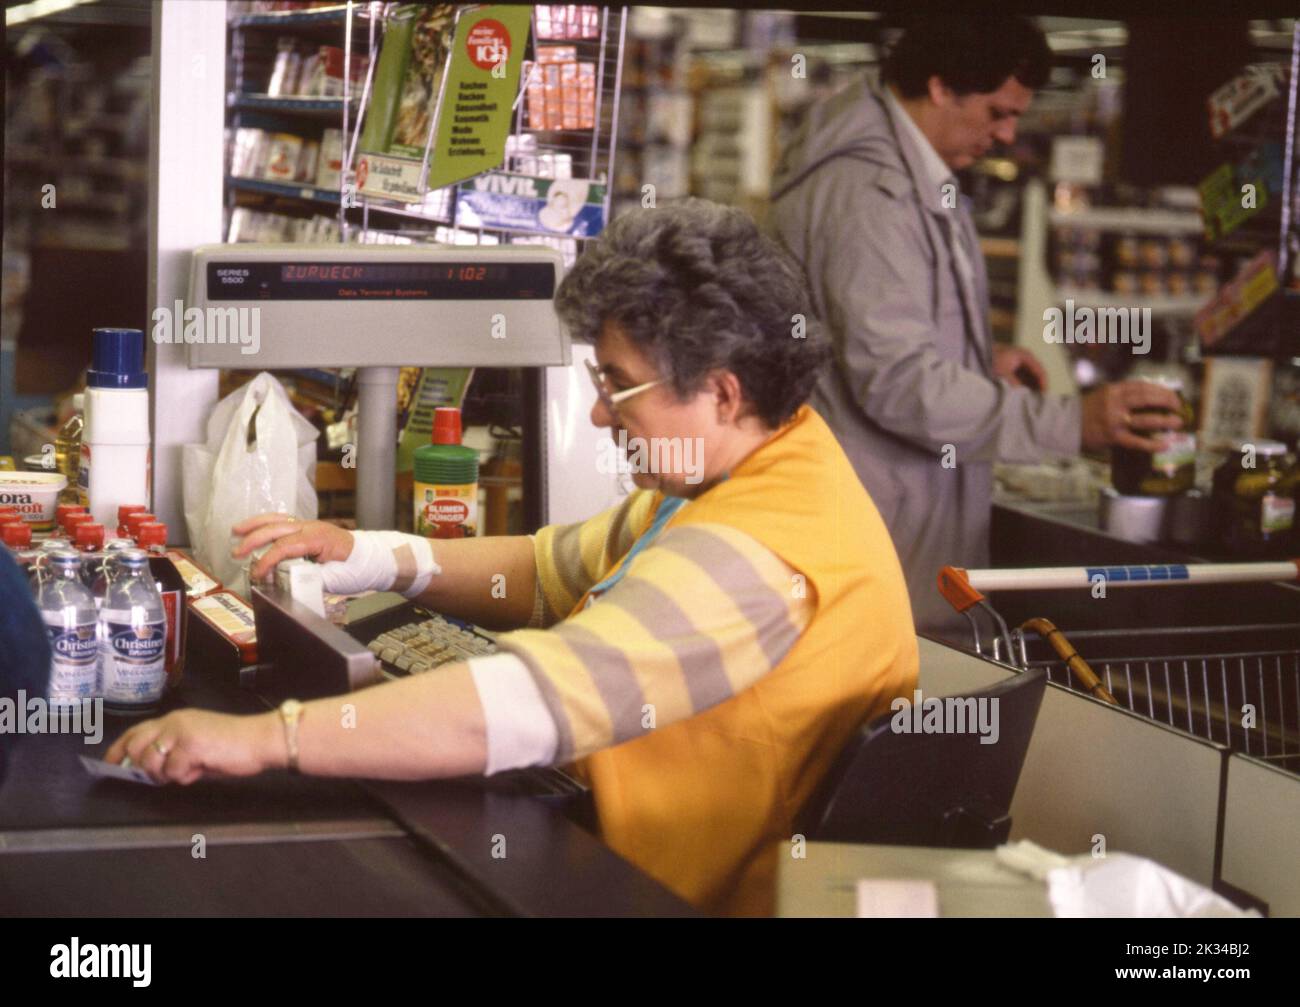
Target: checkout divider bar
(964,588)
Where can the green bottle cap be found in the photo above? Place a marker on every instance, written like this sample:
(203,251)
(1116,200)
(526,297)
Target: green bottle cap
(446,464)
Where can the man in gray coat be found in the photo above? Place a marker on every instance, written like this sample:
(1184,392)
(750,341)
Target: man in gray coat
(866,200)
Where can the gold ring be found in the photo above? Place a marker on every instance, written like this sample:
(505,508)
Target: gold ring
(160,749)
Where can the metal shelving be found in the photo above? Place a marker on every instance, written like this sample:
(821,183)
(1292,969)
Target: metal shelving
(1268,327)
(288,190)
(321,17)
(1137,219)
(327,108)
(585,154)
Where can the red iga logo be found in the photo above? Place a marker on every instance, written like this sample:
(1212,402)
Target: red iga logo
(488,44)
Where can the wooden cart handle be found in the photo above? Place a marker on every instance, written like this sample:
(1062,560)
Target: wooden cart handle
(1048,631)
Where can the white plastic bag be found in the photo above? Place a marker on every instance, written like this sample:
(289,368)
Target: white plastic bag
(260,456)
(1122,885)
(1116,885)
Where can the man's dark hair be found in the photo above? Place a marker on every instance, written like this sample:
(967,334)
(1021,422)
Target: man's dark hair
(969,54)
(698,288)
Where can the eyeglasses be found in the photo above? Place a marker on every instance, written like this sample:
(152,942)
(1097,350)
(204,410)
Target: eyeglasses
(608,399)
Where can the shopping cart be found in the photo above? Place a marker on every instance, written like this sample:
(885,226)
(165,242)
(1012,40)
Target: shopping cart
(1238,686)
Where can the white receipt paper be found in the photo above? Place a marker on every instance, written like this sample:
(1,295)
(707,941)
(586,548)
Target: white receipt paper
(897,899)
(112,771)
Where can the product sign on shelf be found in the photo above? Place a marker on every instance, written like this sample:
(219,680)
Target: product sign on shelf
(1252,286)
(477,87)
(435,386)
(565,206)
(1240,98)
(479,93)
(1235,192)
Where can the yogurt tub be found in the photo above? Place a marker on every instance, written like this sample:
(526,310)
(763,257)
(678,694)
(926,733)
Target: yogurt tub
(34,495)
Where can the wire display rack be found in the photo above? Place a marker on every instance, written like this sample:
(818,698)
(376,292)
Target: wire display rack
(575,54)
(564,119)
(1237,686)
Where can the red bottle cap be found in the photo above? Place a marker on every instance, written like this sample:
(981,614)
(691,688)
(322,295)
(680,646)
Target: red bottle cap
(135,519)
(61,512)
(71,521)
(16,534)
(446,425)
(89,535)
(124,509)
(151,533)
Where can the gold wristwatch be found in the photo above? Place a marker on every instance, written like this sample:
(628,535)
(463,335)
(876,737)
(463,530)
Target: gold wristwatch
(290,714)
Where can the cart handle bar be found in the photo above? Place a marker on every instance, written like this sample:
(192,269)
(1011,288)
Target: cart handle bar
(964,588)
(1065,650)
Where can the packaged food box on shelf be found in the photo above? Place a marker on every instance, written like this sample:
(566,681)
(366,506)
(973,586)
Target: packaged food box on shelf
(561,90)
(329,162)
(283,154)
(277,157)
(247,225)
(564,21)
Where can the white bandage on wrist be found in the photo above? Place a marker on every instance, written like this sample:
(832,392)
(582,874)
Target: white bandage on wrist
(383,561)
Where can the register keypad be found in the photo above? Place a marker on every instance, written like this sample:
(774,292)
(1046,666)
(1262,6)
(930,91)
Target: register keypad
(422,646)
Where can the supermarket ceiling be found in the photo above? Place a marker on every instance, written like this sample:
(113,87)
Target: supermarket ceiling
(1093,21)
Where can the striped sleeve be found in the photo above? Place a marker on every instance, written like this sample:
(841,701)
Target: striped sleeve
(700,615)
(571,558)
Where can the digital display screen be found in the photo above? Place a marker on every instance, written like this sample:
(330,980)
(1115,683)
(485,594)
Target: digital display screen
(392,281)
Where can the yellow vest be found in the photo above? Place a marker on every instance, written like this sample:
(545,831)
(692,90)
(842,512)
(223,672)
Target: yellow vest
(706,805)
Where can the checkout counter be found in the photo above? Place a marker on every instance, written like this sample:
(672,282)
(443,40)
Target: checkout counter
(285,845)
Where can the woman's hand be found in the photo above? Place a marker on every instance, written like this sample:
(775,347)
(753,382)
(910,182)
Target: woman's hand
(190,744)
(321,541)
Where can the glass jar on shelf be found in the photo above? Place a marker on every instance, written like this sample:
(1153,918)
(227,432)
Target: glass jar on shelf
(1255,498)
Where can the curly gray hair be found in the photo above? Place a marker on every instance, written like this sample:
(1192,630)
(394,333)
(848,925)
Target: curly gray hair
(698,288)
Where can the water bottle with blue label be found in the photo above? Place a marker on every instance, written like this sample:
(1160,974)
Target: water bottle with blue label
(70,620)
(133,628)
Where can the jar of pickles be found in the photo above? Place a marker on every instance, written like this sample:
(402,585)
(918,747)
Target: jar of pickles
(1254,494)
(1168,471)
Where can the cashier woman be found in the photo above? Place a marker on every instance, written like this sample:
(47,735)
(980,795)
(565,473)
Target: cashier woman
(699,653)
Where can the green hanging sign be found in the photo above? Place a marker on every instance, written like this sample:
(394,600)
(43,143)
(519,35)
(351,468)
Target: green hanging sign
(475,73)
(479,91)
